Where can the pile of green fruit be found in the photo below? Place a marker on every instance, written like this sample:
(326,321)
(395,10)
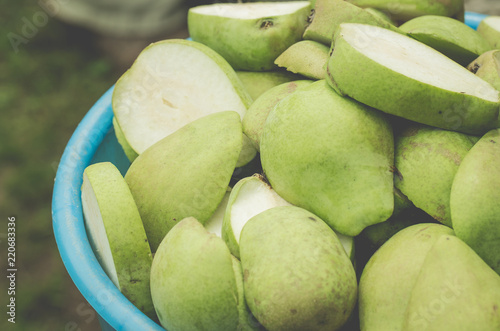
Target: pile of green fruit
(327,165)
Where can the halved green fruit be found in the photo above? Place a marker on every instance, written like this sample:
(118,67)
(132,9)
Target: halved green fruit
(172,83)
(403,77)
(249,197)
(250,36)
(116,232)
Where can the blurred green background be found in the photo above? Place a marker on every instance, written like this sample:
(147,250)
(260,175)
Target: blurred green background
(48,81)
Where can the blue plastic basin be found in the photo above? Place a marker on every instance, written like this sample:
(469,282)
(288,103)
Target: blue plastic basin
(94,141)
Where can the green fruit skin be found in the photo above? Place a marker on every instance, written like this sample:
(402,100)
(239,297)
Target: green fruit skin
(124,230)
(449,36)
(455,290)
(404,10)
(256,115)
(489,33)
(332,156)
(487,66)
(427,160)
(249,44)
(306,57)
(186,173)
(475,196)
(405,97)
(329,14)
(247,322)
(296,274)
(389,276)
(258,82)
(193,283)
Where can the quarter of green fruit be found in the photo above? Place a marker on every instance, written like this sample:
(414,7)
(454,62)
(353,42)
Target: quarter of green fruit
(193,282)
(116,232)
(250,36)
(186,173)
(487,67)
(306,57)
(489,28)
(449,36)
(403,10)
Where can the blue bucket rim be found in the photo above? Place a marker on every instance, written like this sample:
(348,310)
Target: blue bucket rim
(68,224)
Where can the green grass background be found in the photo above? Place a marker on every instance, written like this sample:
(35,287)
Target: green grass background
(46,87)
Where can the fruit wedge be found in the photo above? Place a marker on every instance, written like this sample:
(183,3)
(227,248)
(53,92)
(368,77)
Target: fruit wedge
(306,57)
(258,82)
(403,77)
(255,118)
(449,36)
(186,173)
(172,83)
(249,197)
(475,197)
(116,233)
(487,67)
(193,282)
(250,36)
(489,28)
(403,10)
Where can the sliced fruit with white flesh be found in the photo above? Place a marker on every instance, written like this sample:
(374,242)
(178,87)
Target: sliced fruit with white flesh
(214,224)
(186,173)
(449,36)
(116,232)
(403,77)
(306,57)
(172,83)
(489,28)
(249,197)
(487,67)
(250,36)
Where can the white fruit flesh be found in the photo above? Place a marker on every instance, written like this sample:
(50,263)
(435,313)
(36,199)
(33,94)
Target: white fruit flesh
(415,60)
(347,242)
(95,225)
(253,198)
(493,22)
(169,86)
(214,224)
(251,10)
